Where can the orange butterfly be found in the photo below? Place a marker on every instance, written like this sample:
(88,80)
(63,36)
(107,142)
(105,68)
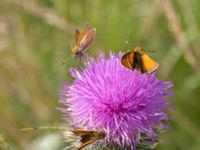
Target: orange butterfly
(88,137)
(82,41)
(137,60)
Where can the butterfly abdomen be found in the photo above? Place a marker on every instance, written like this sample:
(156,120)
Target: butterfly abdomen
(137,61)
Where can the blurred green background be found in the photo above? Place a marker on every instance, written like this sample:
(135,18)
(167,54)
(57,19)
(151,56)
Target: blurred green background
(35,39)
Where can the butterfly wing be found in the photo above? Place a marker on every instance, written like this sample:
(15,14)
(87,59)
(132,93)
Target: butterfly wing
(127,60)
(87,39)
(81,132)
(87,137)
(148,65)
(75,43)
(85,30)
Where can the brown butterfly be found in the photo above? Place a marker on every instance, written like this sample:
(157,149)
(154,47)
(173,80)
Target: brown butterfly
(88,137)
(137,60)
(82,41)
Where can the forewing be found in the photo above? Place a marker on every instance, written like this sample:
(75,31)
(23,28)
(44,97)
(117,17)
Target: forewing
(85,30)
(148,64)
(87,39)
(75,43)
(80,132)
(127,60)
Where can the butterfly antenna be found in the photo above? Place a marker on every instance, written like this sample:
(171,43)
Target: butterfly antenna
(141,43)
(151,51)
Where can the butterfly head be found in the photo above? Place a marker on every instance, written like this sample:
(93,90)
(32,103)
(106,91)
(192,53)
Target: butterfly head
(138,49)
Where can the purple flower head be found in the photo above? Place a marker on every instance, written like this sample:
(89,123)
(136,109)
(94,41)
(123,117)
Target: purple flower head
(106,96)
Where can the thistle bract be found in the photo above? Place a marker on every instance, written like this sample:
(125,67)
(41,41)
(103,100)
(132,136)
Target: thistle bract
(105,96)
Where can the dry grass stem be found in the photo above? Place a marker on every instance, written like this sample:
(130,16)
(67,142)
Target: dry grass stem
(175,27)
(45,13)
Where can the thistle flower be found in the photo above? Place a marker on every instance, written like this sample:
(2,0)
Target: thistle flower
(107,97)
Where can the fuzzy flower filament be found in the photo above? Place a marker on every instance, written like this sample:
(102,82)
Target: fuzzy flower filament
(106,96)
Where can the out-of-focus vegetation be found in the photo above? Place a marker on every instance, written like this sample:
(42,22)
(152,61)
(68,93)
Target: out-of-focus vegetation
(35,39)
